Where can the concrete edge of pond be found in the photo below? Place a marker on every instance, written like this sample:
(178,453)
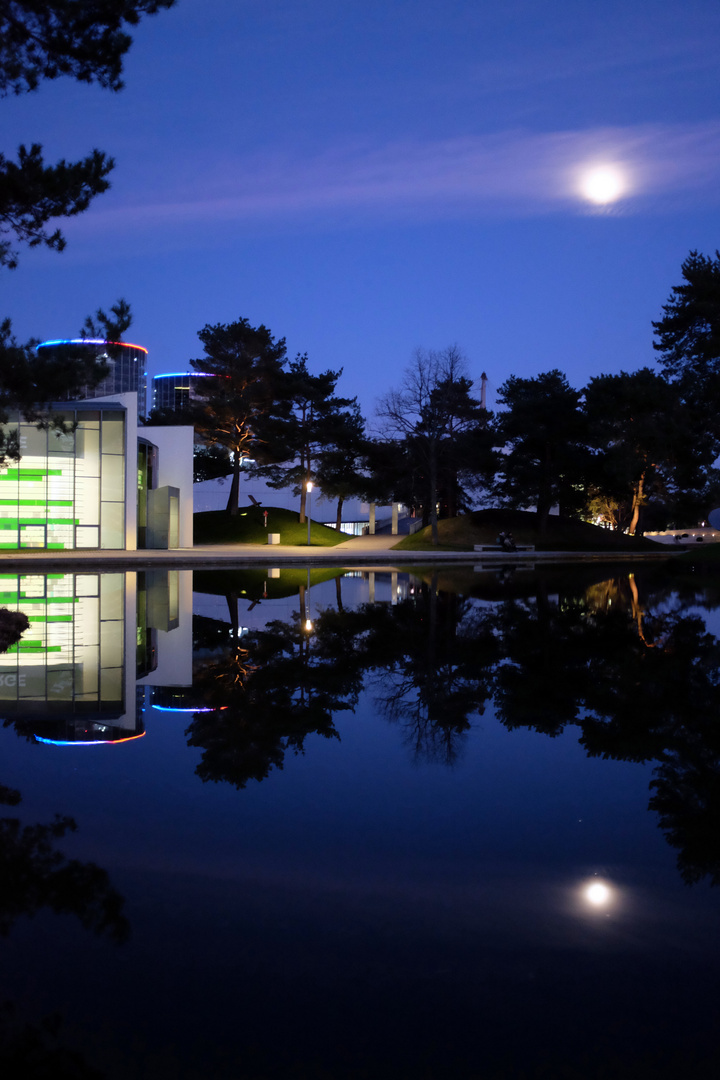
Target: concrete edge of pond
(207,557)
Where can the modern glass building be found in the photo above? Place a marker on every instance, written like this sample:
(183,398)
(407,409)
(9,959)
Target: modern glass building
(67,490)
(103,483)
(174,391)
(127,364)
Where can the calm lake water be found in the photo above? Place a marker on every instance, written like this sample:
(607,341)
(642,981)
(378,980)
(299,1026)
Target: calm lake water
(431,826)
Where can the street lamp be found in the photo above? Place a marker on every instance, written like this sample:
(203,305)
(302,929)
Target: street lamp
(308,488)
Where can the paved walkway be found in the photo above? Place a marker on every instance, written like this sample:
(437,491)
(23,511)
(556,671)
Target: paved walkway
(355,552)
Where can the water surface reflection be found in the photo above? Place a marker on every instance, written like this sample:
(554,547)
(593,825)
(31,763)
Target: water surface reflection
(627,660)
(422,822)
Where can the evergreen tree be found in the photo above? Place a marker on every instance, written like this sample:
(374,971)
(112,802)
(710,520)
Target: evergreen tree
(313,422)
(541,435)
(688,335)
(392,473)
(30,381)
(636,430)
(688,341)
(340,469)
(236,408)
(44,40)
(109,327)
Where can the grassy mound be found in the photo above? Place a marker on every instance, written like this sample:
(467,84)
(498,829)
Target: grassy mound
(562,534)
(254,584)
(248,527)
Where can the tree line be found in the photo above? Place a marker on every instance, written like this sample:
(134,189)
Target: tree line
(626,450)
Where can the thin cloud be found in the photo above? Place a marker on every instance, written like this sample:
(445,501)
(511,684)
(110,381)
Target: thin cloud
(513,174)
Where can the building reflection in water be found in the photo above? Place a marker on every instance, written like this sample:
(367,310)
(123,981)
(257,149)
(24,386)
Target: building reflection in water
(96,643)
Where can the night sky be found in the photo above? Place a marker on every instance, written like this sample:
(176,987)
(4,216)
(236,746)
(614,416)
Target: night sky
(368,177)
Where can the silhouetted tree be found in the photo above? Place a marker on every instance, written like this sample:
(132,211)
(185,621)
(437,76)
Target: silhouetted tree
(688,334)
(45,40)
(637,432)
(88,42)
(340,470)
(315,422)
(431,412)
(541,434)
(30,381)
(235,406)
(687,337)
(392,473)
(110,326)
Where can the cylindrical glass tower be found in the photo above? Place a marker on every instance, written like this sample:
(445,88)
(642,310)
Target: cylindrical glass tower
(127,364)
(175,390)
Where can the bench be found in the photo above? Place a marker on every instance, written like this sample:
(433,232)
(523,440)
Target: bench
(501,550)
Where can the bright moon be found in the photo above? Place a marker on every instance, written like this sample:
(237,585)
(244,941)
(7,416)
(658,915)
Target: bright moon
(597,894)
(603,184)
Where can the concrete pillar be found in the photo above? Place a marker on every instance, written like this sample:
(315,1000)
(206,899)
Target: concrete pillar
(371,529)
(395,507)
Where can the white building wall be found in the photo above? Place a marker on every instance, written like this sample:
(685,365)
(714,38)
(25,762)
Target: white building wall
(174,647)
(175,469)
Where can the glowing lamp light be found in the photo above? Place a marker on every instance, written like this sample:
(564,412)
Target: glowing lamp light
(308,626)
(309,485)
(603,184)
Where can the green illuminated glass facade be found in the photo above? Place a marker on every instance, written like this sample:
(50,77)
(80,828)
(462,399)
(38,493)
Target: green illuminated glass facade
(67,490)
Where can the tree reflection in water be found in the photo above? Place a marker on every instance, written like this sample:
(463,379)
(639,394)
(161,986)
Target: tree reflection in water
(626,660)
(642,682)
(36,876)
(431,663)
(268,691)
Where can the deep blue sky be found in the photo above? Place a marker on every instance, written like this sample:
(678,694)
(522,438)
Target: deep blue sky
(368,177)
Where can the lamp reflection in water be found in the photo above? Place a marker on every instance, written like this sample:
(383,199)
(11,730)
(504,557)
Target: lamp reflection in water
(598,895)
(308,620)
